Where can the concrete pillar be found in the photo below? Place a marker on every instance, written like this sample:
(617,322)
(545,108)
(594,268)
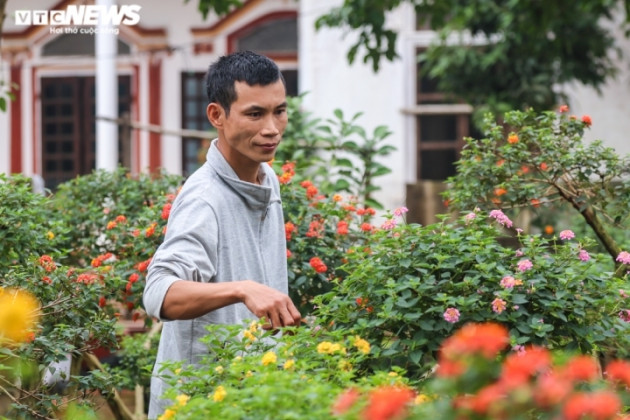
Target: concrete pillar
(106,93)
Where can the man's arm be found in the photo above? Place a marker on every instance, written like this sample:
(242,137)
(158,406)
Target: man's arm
(189,299)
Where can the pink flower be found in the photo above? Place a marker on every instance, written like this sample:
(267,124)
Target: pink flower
(400,211)
(470,216)
(624,257)
(501,218)
(389,224)
(509,282)
(524,265)
(623,293)
(566,235)
(624,314)
(498,305)
(583,255)
(519,253)
(451,315)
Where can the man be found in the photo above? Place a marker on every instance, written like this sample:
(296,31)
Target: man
(223,259)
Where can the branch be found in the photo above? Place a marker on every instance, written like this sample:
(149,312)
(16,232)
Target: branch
(116,404)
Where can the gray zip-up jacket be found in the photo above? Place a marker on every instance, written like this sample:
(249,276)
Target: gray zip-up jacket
(220,229)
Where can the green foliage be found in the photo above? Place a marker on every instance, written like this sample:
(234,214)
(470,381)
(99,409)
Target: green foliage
(72,323)
(25,230)
(337,154)
(525,49)
(87,203)
(135,360)
(396,292)
(535,160)
(250,373)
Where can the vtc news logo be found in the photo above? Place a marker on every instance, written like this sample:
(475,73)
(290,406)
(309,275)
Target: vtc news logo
(81,15)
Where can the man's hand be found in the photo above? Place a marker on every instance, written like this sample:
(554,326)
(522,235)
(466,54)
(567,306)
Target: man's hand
(276,307)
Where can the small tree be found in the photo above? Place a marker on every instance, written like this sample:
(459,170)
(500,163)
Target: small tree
(535,160)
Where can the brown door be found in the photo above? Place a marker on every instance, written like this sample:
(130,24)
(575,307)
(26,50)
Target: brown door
(69,126)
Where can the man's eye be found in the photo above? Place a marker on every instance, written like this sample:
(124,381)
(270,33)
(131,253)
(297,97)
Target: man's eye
(254,114)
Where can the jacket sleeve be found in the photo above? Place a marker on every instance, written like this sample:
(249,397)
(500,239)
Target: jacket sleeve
(189,251)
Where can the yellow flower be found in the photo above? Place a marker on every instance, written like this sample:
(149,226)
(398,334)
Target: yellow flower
(253,327)
(19,313)
(392,374)
(289,364)
(219,394)
(219,369)
(182,399)
(337,347)
(168,414)
(249,374)
(247,334)
(345,365)
(421,398)
(362,345)
(50,235)
(269,358)
(324,347)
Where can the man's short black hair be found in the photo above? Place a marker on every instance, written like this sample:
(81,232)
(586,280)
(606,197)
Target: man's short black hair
(242,66)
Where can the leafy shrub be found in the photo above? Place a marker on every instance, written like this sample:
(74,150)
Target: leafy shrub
(25,228)
(415,284)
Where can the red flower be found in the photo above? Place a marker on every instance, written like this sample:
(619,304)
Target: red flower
(311,192)
(486,397)
(342,227)
(96,262)
(587,120)
(102,301)
(150,230)
(289,253)
(551,389)
(315,229)
(121,218)
(318,265)
(47,280)
(366,227)
(133,277)
(344,401)
(142,266)
(387,402)
(543,166)
(47,262)
(360,212)
(563,108)
(306,184)
(166,211)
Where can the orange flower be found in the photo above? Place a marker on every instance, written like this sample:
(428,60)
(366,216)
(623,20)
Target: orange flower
(111,225)
(551,389)
(485,338)
(525,169)
(519,367)
(563,108)
(549,229)
(289,228)
(482,402)
(619,371)
(344,401)
(535,202)
(500,191)
(587,120)
(600,405)
(311,191)
(285,178)
(581,368)
(47,262)
(512,138)
(543,166)
(306,184)
(387,402)
(121,218)
(337,198)
(500,162)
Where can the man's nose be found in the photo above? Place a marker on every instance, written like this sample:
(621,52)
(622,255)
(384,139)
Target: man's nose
(270,127)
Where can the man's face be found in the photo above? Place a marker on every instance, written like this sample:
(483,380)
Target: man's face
(253,129)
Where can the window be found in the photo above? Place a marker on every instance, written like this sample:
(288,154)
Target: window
(194,102)
(441,125)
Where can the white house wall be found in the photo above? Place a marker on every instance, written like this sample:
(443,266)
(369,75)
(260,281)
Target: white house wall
(332,83)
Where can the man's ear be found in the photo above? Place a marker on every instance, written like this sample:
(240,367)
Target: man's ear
(216,115)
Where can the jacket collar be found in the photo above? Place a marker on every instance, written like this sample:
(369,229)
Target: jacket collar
(255,196)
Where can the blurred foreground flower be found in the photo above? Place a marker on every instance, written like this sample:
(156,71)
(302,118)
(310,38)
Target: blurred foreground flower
(19,313)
